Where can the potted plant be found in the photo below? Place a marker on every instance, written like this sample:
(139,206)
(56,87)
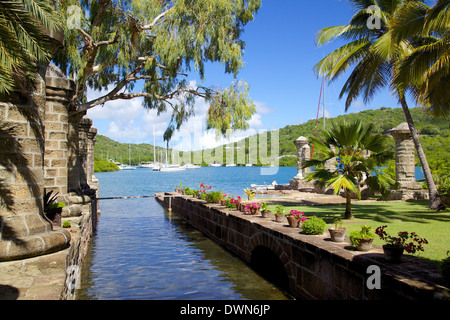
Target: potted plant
(295,218)
(280,213)
(250,194)
(179,188)
(52,208)
(252,208)
(337,233)
(265,212)
(362,239)
(223,199)
(314,226)
(395,246)
(236,202)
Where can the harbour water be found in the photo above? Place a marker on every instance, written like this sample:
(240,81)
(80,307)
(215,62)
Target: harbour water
(141,251)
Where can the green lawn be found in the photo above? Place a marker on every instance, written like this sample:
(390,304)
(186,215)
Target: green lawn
(413,216)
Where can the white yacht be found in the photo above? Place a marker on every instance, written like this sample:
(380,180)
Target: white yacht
(215,164)
(172,167)
(146,165)
(127,167)
(191,166)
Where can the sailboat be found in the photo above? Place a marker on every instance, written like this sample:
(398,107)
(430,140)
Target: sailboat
(156,166)
(214,164)
(129,166)
(248,164)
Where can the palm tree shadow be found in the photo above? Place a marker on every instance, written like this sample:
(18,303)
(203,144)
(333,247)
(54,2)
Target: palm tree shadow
(13,161)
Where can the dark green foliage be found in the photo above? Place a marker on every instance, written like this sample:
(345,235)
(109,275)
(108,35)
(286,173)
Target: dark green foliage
(213,196)
(105,166)
(314,226)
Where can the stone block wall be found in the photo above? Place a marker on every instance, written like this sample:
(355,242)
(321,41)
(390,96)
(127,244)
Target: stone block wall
(316,268)
(43,147)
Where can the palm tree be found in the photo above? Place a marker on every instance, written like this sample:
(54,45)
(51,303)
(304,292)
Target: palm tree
(358,153)
(425,71)
(375,54)
(23,39)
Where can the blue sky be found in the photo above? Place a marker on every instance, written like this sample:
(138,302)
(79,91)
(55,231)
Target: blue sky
(279,58)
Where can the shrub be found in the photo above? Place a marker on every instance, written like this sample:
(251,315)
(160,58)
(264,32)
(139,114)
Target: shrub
(213,197)
(105,166)
(67,224)
(314,226)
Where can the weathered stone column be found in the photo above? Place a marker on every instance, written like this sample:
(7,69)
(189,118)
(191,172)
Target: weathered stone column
(92,181)
(405,161)
(303,154)
(302,146)
(59,91)
(24,230)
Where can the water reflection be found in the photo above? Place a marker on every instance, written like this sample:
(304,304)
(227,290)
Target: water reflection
(241,277)
(149,253)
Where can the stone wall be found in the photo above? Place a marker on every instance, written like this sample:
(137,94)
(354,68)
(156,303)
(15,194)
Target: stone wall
(43,147)
(79,247)
(316,268)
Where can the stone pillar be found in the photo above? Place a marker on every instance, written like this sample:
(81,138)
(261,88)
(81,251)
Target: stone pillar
(302,146)
(24,230)
(92,181)
(404,161)
(303,154)
(59,91)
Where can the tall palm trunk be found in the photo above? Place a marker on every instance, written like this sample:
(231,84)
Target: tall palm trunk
(436,202)
(348,205)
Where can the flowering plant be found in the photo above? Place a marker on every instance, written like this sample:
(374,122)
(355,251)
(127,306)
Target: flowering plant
(298,214)
(224,196)
(252,207)
(235,200)
(401,240)
(204,187)
(250,194)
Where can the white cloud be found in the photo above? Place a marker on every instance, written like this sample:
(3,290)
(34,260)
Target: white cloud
(128,121)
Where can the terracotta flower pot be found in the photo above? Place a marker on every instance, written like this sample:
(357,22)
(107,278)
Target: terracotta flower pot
(337,235)
(280,217)
(266,214)
(364,244)
(392,253)
(294,222)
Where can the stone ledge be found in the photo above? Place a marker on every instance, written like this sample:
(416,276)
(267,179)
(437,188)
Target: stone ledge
(412,279)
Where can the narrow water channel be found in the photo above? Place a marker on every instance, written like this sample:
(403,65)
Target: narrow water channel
(142,252)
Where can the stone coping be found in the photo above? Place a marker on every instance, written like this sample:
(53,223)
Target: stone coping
(411,271)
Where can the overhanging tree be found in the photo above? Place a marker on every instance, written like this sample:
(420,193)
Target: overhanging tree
(146,48)
(23,43)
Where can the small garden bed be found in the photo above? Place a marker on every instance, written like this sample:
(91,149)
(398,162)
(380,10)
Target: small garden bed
(412,216)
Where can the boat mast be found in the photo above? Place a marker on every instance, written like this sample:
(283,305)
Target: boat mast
(323,106)
(154,147)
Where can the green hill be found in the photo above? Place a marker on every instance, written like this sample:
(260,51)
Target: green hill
(434,134)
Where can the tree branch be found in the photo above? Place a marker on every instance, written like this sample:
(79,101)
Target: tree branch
(155,21)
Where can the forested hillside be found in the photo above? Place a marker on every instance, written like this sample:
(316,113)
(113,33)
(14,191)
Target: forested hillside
(434,134)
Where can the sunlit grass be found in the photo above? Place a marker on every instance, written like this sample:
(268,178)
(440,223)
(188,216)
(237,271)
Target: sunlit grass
(411,216)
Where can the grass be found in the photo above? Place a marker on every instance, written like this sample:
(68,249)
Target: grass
(411,216)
